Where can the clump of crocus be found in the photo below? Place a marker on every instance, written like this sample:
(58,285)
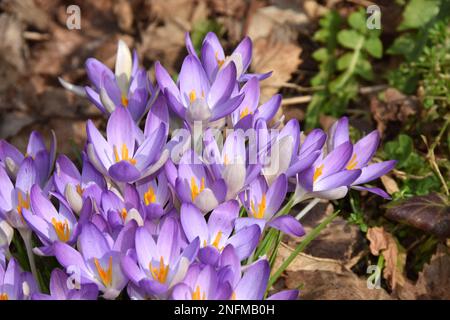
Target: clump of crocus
(172,212)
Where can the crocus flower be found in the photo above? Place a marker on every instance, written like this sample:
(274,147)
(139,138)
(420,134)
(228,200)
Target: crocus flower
(162,264)
(14,199)
(128,86)
(195,185)
(328,177)
(202,283)
(231,163)
(118,209)
(75,187)
(253,284)
(195,98)
(247,113)
(281,153)
(363,152)
(98,258)
(214,59)
(11,158)
(15,284)
(217,232)
(122,156)
(155,196)
(49,224)
(60,289)
(262,202)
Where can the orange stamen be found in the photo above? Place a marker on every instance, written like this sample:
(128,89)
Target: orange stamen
(160,274)
(62,229)
(105,275)
(259,214)
(317,173)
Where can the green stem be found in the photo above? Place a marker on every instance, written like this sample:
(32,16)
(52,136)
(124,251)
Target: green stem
(310,237)
(26,236)
(351,68)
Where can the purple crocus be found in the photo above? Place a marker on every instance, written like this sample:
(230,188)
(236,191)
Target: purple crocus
(15,198)
(231,163)
(49,224)
(363,152)
(76,187)
(262,202)
(15,284)
(125,156)
(214,59)
(280,152)
(202,283)
(6,236)
(162,264)
(195,98)
(328,177)
(98,258)
(11,158)
(155,196)
(217,232)
(61,288)
(127,87)
(248,112)
(195,185)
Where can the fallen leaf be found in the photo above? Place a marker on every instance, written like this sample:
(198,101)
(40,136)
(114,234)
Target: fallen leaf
(396,107)
(433,281)
(382,242)
(389,184)
(430,213)
(275,48)
(326,285)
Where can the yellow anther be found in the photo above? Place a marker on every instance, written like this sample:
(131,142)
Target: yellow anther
(4,297)
(216,241)
(124,214)
(124,155)
(244,113)
(105,275)
(79,189)
(62,229)
(149,196)
(352,163)
(192,96)
(226,161)
(259,214)
(318,172)
(22,203)
(160,274)
(197,295)
(195,190)
(124,101)
(219,61)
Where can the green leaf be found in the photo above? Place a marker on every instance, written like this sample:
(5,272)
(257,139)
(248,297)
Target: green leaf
(344,61)
(418,13)
(320,54)
(403,45)
(349,38)
(357,20)
(374,47)
(364,69)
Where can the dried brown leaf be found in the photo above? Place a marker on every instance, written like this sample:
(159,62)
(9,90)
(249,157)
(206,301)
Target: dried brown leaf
(430,213)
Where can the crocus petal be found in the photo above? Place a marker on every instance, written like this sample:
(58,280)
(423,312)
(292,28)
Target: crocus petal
(95,69)
(339,179)
(254,281)
(365,148)
(92,243)
(222,219)
(374,171)
(120,130)
(289,225)
(226,108)
(193,222)
(285,295)
(377,191)
(192,79)
(123,171)
(223,86)
(339,134)
(124,63)
(268,110)
(165,82)
(245,241)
